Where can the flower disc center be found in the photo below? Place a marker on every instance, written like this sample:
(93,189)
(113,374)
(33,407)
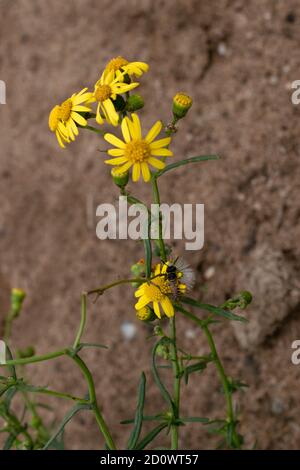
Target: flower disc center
(137,151)
(65,110)
(102,93)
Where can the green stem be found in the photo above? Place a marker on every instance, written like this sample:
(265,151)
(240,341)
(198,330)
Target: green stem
(93,129)
(177,380)
(101,290)
(32,359)
(224,381)
(54,393)
(156,198)
(93,400)
(82,321)
(8,325)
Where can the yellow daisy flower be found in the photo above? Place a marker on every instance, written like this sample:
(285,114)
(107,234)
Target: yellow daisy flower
(106,90)
(136,151)
(119,65)
(157,292)
(64,118)
(55,125)
(69,112)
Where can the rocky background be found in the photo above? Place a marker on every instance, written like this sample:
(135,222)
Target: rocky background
(237,59)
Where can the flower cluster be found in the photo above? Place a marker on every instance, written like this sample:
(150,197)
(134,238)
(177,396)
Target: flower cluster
(114,105)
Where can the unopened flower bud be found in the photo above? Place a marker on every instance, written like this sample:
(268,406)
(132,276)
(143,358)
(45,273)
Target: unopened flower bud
(164,348)
(145,314)
(17,299)
(181,104)
(120,179)
(134,103)
(138,270)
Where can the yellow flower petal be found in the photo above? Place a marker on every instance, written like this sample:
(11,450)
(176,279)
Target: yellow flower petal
(125,130)
(145,172)
(156,309)
(136,172)
(113,140)
(59,139)
(111,113)
(78,118)
(156,163)
(81,108)
(167,306)
(162,152)
(115,152)
(116,161)
(160,143)
(136,126)
(125,167)
(154,131)
(141,303)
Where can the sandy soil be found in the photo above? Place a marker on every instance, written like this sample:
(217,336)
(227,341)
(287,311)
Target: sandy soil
(237,59)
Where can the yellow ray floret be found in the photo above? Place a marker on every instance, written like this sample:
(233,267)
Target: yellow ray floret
(157,292)
(106,90)
(138,152)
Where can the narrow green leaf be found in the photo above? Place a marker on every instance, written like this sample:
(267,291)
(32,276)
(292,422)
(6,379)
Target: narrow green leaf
(164,392)
(172,166)
(9,441)
(148,256)
(212,309)
(145,418)
(11,368)
(197,367)
(92,345)
(78,407)
(138,420)
(194,419)
(150,436)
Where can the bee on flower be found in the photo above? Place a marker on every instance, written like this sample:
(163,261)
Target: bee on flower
(165,285)
(138,152)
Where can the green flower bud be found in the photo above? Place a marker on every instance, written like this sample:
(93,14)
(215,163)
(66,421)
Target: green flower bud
(138,270)
(158,331)
(181,104)
(134,103)
(17,299)
(119,103)
(245,299)
(164,349)
(120,179)
(28,352)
